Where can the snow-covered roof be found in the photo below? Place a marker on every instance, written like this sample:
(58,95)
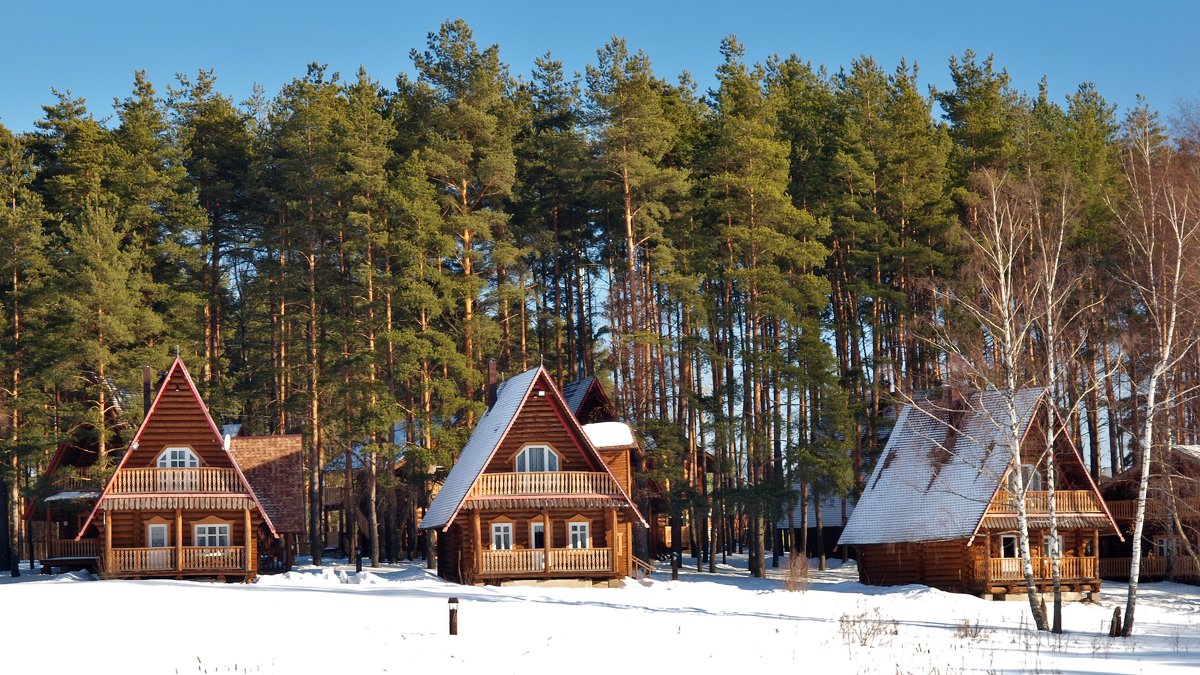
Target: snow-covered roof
(1190,451)
(475,455)
(926,487)
(609,434)
(831,511)
(73,494)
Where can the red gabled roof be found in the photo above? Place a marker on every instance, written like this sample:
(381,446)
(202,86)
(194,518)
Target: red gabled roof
(178,364)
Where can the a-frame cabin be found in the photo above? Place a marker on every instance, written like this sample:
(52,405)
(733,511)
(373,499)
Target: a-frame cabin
(178,504)
(939,509)
(532,497)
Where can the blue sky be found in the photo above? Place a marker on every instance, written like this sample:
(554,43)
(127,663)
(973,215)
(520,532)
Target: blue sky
(93,48)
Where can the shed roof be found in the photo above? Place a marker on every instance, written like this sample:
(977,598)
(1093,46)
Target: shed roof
(274,466)
(922,490)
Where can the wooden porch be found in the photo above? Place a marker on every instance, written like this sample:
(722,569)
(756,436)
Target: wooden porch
(202,480)
(1009,570)
(571,562)
(175,561)
(1154,567)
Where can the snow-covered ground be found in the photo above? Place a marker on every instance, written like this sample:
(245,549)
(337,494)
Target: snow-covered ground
(394,619)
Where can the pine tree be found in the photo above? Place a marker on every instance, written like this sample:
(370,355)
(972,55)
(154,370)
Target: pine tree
(24,273)
(468,151)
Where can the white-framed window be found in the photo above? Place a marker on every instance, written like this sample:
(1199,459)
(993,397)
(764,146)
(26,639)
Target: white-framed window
(177,458)
(1164,547)
(157,535)
(212,535)
(580,535)
(502,539)
(1008,546)
(537,535)
(537,458)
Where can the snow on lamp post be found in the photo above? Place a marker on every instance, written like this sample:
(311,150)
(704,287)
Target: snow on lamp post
(453,602)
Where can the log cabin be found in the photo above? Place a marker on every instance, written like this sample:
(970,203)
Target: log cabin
(938,509)
(181,505)
(534,495)
(1171,534)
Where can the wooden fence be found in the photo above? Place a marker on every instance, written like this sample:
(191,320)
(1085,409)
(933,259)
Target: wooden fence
(195,558)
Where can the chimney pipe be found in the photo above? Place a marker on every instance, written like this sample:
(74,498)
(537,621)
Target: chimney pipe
(491,382)
(145,391)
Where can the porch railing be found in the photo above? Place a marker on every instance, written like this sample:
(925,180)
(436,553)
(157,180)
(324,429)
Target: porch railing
(1010,569)
(1153,566)
(195,558)
(533,561)
(200,480)
(545,483)
(69,548)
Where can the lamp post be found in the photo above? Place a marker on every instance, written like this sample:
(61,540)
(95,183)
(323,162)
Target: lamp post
(453,602)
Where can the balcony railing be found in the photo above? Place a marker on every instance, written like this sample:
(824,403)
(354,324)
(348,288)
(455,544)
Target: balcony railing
(195,559)
(1009,569)
(1038,502)
(533,561)
(152,481)
(1189,509)
(545,483)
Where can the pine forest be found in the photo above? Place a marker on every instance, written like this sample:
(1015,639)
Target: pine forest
(758,273)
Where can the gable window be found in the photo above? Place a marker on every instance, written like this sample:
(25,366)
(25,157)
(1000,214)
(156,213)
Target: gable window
(580,535)
(537,458)
(502,539)
(212,535)
(178,458)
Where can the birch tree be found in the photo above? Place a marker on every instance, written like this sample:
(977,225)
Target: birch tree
(1159,221)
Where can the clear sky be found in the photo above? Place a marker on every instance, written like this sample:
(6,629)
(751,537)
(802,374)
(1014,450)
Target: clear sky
(92,48)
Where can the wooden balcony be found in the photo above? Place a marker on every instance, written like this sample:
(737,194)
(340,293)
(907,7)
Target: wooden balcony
(154,561)
(1037,502)
(1152,566)
(1124,510)
(545,483)
(1009,569)
(563,562)
(176,481)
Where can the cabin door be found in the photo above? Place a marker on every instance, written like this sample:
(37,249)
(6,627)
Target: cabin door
(159,555)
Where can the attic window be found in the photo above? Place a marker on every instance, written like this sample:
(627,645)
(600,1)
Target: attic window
(177,458)
(536,458)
